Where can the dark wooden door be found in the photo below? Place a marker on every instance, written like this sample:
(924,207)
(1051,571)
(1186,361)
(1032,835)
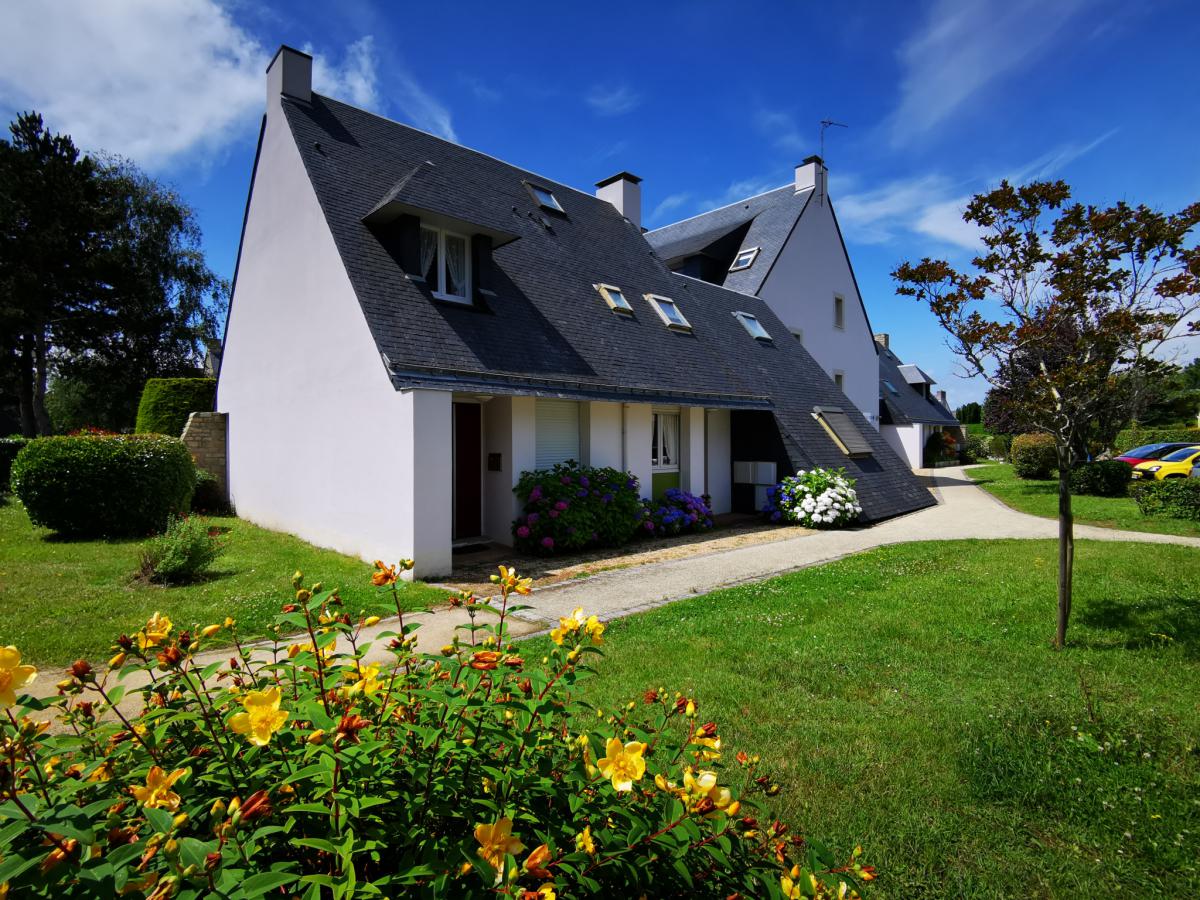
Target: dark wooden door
(468,465)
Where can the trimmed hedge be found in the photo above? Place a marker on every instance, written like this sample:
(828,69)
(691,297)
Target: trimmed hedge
(9,448)
(1033,456)
(102,486)
(1137,437)
(1104,478)
(1176,498)
(167,403)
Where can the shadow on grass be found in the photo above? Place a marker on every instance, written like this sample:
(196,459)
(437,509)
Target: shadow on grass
(1137,624)
(57,537)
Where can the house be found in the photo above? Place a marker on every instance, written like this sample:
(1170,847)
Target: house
(414,323)
(909,411)
(785,247)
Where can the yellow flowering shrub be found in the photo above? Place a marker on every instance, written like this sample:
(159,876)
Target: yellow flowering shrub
(309,768)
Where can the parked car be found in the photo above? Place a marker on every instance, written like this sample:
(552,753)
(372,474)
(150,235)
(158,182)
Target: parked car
(1150,452)
(1174,465)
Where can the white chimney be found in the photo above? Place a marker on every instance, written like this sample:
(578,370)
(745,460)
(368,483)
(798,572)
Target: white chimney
(624,191)
(290,72)
(883,340)
(811,174)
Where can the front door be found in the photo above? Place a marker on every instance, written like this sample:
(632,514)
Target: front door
(468,464)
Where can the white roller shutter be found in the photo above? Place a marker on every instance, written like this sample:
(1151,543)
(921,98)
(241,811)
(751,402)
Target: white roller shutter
(557,424)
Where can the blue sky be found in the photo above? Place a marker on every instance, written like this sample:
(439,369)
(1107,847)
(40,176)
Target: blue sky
(707,102)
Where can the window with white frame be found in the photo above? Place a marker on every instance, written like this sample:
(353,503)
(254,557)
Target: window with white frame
(744,259)
(615,298)
(753,327)
(664,442)
(839,311)
(669,312)
(544,197)
(446,264)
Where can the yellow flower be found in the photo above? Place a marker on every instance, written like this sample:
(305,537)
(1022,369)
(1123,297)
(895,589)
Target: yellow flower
(157,793)
(155,632)
(703,785)
(791,884)
(509,579)
(546,890)
(569,626)
(535,863)
(594,628)
(712,747)
(584,842)
(496,841)
(366,682)
(13,675)
(623,764)
(262,717)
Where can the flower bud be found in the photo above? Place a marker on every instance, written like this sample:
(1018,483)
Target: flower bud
(316,588)
(370,621)
(81,669)
(209,630)
(317,737)
(297,578)
(117,661)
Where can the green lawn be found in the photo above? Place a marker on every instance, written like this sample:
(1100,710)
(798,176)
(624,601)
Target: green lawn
(911,702)
(62,599)
(977,429)
(1040,498)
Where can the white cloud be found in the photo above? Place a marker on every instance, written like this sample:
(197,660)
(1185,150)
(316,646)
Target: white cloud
(780,128)
(669,204)
(1049,164)
(420,107)
(962,47)
(148,80)
(354,81)
(612,101)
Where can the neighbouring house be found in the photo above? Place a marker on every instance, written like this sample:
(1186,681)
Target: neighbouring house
(414,323)
(785,247)
(909,410)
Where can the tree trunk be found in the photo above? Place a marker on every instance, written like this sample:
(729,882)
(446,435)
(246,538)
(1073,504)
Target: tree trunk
(1066,548)
(39,384)
(25,388)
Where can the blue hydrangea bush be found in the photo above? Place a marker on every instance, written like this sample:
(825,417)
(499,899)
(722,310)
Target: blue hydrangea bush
(817,498)
(677,512)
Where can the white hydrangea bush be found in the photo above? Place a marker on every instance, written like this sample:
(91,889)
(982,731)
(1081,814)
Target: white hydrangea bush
(817,498)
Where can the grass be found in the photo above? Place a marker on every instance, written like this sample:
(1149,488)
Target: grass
(908,699)
(1040,498)
(65,599)
(977,428)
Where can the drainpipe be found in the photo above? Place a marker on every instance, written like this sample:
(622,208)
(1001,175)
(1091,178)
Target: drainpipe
(624,466)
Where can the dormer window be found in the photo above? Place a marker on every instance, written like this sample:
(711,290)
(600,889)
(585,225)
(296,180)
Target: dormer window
(446,264)
(669,312)
(744,259)
(753,327)
(615,298)
(544,197)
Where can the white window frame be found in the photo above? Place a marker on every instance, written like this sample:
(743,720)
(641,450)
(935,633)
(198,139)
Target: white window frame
(536,190)
(658,435)
(753,253)
(839,312)
(750,322)
(624,307)
(656,300)
(439,289)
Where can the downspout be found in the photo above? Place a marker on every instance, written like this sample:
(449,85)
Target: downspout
(624,462)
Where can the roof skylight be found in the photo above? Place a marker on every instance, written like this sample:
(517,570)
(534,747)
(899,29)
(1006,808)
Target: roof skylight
(891,387)
(669,312)
(615,298)
(544,197)
(753,327)
(744,259)
(843,431)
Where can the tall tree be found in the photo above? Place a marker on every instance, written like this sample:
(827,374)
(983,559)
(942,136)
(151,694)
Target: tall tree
(1077,297)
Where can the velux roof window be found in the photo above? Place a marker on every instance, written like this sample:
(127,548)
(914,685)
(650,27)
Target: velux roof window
(752,326)
(544,197)
(615,298)
(891,387)
(744,259)
(669,312)
(843,431)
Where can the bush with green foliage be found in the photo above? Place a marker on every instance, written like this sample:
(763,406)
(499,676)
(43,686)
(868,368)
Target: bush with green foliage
(1175,498)
(573,506)
(472,771)
(9,448)
(1102,478)
(1033,455)
(974,450)
(180,555)
(998,446)
(104,485)
(1137,437)
(677,512)
(208,497)
(167,403)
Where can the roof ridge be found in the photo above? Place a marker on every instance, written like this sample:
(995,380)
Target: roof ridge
(709,212)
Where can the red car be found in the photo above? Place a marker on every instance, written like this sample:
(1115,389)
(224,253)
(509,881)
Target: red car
(1148,452)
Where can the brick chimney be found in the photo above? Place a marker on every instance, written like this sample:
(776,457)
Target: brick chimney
(883,340)
(624,191)
(941,395)
(290,72)
(811,174)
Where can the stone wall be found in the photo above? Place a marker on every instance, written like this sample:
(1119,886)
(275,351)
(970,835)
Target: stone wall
(205,436)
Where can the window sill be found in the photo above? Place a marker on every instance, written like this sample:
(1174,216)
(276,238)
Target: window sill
(659,469)
(451,298)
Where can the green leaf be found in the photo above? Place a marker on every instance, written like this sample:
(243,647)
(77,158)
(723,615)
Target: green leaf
(257,885)
(159,819)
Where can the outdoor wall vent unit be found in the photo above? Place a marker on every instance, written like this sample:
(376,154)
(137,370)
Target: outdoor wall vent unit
(754,473)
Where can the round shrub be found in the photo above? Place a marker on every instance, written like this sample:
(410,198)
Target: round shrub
(101,486)
(573,506)
(975,449)
(181,554)
(998,446)
(9,448)
(1033,455)
(678,512)
(819,498)
(1103,478)
(167,403)
(349,769)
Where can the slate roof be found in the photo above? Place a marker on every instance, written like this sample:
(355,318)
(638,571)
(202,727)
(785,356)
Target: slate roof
(547,331)
(907,405)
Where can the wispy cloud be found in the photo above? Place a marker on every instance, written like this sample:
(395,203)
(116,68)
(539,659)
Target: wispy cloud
(612,100)
(669,204)
(780,129)
(419,106)
(354,79)
(964,45)
(1054,161)
(480,89)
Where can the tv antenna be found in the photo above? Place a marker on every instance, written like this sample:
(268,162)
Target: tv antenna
(827,123)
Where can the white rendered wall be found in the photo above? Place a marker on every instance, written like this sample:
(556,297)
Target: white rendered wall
(639,426)
(498,498)
(319,444)
(601,423)
(908,441)
(692,471)
(810,270)
(718,461)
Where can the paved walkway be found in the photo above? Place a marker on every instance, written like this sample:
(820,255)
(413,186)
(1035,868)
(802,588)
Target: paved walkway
(964,510)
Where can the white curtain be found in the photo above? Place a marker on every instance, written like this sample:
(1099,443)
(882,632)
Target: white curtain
(666,440)
(456,265)
(429,242)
